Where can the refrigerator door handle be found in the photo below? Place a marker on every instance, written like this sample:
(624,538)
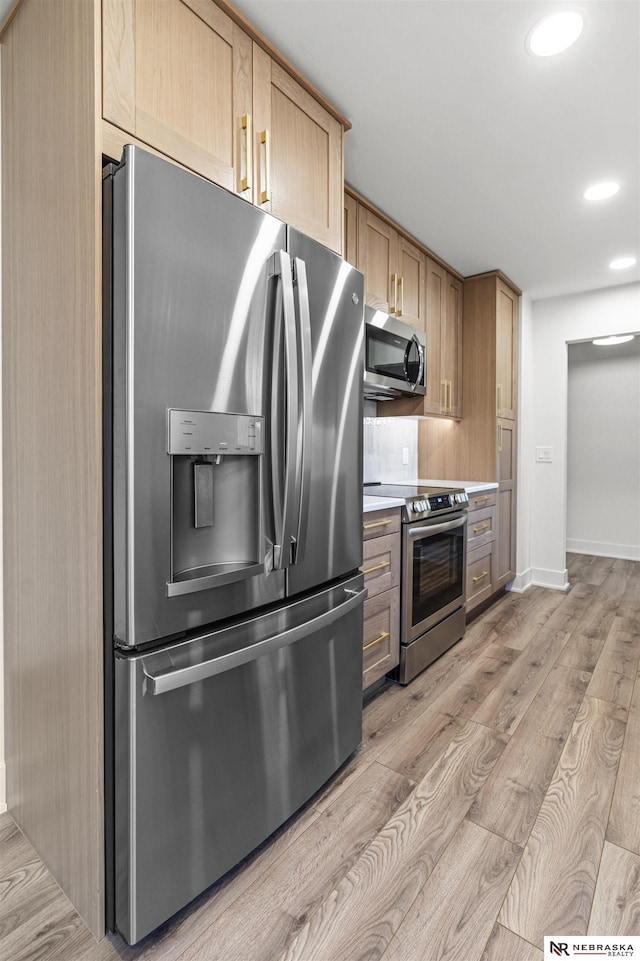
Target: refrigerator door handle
(303,467)
(286,519)
(170,680)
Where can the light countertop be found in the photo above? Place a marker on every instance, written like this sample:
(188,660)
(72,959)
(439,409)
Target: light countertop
(380,503)
(471,487)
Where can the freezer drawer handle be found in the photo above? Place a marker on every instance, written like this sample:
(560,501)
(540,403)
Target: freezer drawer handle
(163,682)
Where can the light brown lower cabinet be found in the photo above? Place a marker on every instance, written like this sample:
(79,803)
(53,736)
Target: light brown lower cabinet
(481,556)
(381,569)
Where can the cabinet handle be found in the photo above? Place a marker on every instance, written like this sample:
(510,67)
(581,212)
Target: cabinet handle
(449,408)
(378,640)
(394,281)
(401,286)
(265,195)
(245,183)
(482,527)
(443,394)
(481,500)
(480,576)
(499,438)
(378,567)
(499,399)
(369,527)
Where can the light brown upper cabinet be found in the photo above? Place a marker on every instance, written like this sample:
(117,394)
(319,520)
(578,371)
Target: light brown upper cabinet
(393,268)
(183,78)
(444,342)
(298,152)
(177,75)
(507,306)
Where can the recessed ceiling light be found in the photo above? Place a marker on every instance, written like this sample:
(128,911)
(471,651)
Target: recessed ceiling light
(555,33)
(610,341)
(601,191)
(621,263)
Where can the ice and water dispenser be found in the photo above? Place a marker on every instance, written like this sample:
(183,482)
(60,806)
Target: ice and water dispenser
(216,535)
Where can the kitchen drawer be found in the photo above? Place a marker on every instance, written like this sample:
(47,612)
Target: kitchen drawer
(481,527)
(381,635)
(479,575)
(378,523)
(381,563)
(482,499)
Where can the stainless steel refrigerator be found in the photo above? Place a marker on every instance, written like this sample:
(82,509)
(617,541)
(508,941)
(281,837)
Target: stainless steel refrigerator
(233,626)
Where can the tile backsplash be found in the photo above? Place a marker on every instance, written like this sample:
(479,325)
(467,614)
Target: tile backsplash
(387,441)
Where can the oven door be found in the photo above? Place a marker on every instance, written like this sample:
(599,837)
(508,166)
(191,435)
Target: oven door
(433,572)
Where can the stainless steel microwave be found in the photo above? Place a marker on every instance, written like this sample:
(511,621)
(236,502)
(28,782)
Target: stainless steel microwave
(394,362)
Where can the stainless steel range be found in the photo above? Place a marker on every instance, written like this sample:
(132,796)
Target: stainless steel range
(434,542)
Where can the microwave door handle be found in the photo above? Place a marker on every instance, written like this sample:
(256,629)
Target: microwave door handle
(160,682)
(303,474)
(418,380)
(286,486)
(428,530)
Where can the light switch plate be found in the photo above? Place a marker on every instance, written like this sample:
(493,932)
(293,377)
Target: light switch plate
(544,455)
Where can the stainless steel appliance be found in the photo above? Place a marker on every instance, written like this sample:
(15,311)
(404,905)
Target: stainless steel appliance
(233,458)
(433,581)
(394,357)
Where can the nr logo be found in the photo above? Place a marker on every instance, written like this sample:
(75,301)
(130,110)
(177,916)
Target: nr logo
(559,948)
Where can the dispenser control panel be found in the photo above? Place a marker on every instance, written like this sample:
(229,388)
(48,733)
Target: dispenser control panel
(211,432)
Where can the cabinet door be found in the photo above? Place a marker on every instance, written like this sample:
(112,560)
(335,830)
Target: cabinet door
(434,400)
(505,562)
(411,284)
(350,243)
(298,152)
(451,345)
(177,76)
(377,259)
(507,303)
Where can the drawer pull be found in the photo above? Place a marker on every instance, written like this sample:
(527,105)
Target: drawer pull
(369,527)
(378,640)
(481,500)
(482,527)
(378,567)
(480,576)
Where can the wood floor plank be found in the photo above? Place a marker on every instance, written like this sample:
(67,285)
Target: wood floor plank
(569,612)
(505,706)
(452,916)
(616,902)
(274,910)
(555,881)
(589,634)
(462,699)
(510,799)
(359,918)
(421,744)
(520,623)
(504,945)
(623,828)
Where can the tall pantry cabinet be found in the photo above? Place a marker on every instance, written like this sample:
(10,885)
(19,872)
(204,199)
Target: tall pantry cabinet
(193,81)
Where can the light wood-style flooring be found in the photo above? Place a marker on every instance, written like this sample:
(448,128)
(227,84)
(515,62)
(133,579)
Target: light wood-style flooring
(493,801)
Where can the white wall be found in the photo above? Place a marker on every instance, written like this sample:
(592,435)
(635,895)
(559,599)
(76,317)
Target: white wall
(387,441)
(3,770)
(603,452)
(522,579)
(543,486)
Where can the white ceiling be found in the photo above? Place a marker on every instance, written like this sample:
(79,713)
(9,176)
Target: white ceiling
(479,150)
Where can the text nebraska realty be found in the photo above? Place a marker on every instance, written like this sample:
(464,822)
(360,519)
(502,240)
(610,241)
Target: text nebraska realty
(610,950)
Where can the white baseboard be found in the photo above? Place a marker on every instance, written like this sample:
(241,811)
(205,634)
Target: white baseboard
(521,582)
(624,552)
(555,580)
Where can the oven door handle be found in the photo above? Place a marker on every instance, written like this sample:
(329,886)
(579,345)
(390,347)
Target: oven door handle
(428,530)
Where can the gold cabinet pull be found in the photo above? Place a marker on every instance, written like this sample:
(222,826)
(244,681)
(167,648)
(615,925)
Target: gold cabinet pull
(378,567)
(481,500)
(245,183)
(449,407)
(378,640)
(499,399)
(401,286)
(499,438)
(482,527)
(394,281)
(369,527)
(443,394)
(265,195)
(480,576)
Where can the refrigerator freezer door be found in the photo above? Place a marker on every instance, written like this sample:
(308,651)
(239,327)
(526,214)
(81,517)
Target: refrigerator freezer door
(329,298)
(194,298)
(220,739)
